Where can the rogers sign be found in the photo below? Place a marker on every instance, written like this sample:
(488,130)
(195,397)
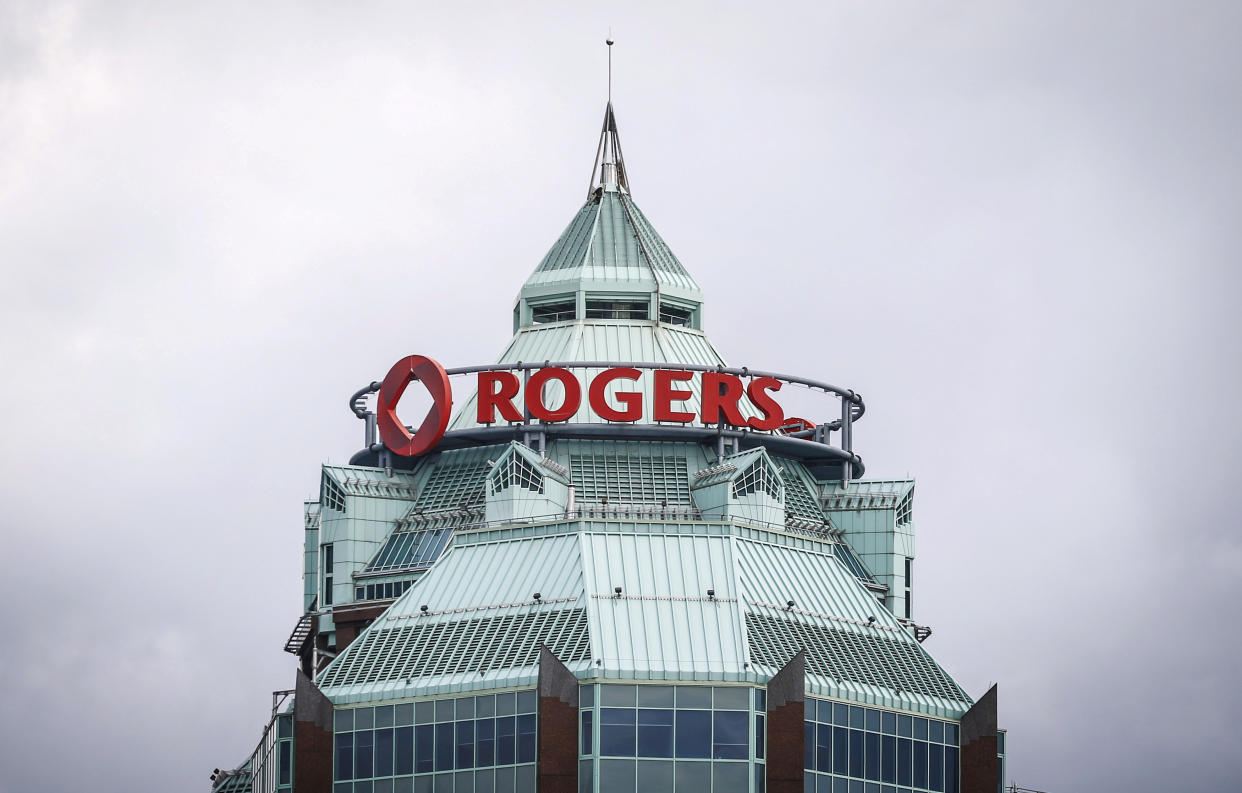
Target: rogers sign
(722,398)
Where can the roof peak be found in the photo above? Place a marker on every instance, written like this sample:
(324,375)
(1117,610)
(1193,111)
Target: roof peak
(609,171)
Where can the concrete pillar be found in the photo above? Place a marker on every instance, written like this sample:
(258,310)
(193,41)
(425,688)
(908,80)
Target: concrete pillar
(557,758)
(980,765)
(312,738)
(786,716)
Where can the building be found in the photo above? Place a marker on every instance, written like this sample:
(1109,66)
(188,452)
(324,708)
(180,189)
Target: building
(620,569)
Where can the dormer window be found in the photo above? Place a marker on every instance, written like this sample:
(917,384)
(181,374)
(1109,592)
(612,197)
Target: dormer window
(616,309)
(676,315)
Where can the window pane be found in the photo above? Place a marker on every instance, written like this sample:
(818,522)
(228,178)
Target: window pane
(586,742)
(364,755)
(808,746)
(345,756)
(840,715)
(732,698)
(525,782)
(616,732)
(935,767)
(527,702)
(444,747)
(888,723)
(950,769)
(730,777)
(856,753)
(920,729)
(506,704)
(383,752)
(404,715)
(871,744)
(424,712)
(840,750)
(485,781)
(586,776)
(655,733)
(693,776)
(694,734)
(655,775)
(694,697)
(950,734)
(856,717)
(760,736)
(526,738)
(905,725)
(731,740)
(655,697)
(383,716)
(464,707)
(444,710)
(888,762)
(920,764)
(424,748)
(905,761)
(506,741)
(586,696)
(935,731)
(823,748)
(343,720)
(404,761)
(617,696)
(485,706)
(364,718)
(616,776)
(873,719)
(485,740)
(285,726)
(465,743)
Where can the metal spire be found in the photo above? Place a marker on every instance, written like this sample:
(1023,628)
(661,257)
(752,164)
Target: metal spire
(609,166)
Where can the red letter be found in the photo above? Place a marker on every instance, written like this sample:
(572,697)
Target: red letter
(490,398)
(720,395)
(534,394)
(665,395)
(633,400)
(773,416)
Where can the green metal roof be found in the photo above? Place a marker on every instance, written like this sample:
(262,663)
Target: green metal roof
(483,625)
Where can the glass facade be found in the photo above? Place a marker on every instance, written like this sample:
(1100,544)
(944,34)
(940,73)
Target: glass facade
(706,739)
(272,764)
(476,744)
(853,749)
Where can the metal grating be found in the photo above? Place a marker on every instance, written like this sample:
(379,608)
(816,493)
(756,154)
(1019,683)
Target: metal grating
(630,479)
(331,495)
(457,483)
(757,477)
(424,649)
(411,550)
(798,498)
(901,666)
(516,471)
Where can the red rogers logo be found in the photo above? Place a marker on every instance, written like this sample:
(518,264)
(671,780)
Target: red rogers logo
(394,434)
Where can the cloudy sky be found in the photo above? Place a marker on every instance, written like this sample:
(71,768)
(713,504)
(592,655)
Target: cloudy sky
(1012,226)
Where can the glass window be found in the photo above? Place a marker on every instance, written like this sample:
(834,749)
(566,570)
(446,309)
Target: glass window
(1000,742)
(841,714)
(284,726)
(485,706)
(950,734)
(873,719)
(617,696)
(505,780)
(655,775)
(920,764)
(404,715)
(527,701)
(364,755)
(888,759)
(465,744)
(655,697)
(675,315)
(586,776)
(444,710)
(950,769)
(526,738)
(856,753)
(525,780)
(552,312)
(424,712)
(587,740)
(888,723)
(424,748)
(506,741)
(694,734)
(808,745)
(444,746)
(694,697)
(655,733)
(856,717)
(905,725)
(905,761)
(732,698)
(823,748)
(840,750)
(935,767)
(383,751)
(731,738)
(345,756)
(616,776)
(760,736)
(616,732)
(730,777)
(693,776)
(465,707)
(403,763)
(920,729)
(871,751)
(616,309)
(485,742)
(586,696)
(506,704)
(761,699)
(343,720)
(364,718)
(935,731)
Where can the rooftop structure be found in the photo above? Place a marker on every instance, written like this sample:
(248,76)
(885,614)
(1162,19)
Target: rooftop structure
(617,567)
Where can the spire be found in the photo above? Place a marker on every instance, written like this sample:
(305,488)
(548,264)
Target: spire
(609,168)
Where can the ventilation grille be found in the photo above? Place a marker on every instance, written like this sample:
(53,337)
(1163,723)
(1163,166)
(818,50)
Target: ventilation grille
(757,477)
(424,649)
(331,495)
(516,471)
(844,655)
(630,479)
(410,550)
(454,484)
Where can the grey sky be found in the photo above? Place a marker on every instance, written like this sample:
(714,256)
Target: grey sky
(1011,226)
